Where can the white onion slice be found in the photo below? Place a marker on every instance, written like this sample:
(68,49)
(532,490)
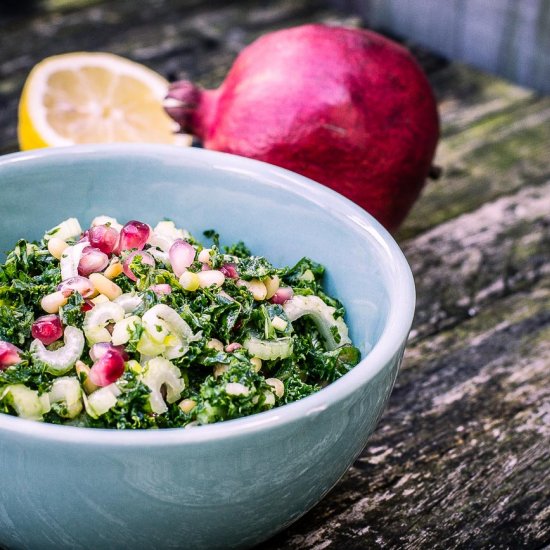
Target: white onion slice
(70,258)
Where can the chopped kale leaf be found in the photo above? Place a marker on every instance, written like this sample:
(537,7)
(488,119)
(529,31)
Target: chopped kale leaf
(204,352)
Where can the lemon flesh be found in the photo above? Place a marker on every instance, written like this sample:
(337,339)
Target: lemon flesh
(93,98)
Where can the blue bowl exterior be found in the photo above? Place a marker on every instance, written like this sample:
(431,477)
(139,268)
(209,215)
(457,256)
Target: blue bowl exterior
(205,495)
(229,485)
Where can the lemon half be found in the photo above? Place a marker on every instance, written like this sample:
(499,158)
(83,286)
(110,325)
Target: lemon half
(93,98)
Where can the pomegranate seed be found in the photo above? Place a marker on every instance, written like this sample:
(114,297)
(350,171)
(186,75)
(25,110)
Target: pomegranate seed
(145,259)
(9,355)
(107,369)
(282,295)
(181,255)
(47,329)
(161,289)
(232,347)
(133,235)
(92,261)
(87,306)
(103,237)
(97,351)
(230,270)
(79,284)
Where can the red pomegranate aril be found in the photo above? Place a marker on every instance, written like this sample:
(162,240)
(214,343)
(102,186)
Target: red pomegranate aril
(145,259)
(162,289)
(79,284)
(230,270)
(282,295)
(181,255)
(107,369)
(97,351)
(92,261)
(234,346)
(87,306)
(47,329)
(133,235)
(9,355)
(103,237)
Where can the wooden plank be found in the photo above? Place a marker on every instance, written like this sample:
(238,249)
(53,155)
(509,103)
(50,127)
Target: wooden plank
(479,257)
(492,156)
(460,458)
(466,96)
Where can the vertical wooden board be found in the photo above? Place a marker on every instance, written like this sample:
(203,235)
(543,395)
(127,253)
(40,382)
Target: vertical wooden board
(508,37)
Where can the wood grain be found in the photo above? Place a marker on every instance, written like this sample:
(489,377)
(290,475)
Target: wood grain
(461,456)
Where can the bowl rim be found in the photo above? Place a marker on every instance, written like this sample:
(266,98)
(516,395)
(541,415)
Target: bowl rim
(401,299)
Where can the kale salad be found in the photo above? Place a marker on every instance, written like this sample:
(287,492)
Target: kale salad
(134,327)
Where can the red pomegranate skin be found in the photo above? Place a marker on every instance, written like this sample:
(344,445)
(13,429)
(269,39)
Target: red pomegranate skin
(345,107)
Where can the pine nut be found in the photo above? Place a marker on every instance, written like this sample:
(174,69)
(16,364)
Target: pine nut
(272,285)
(113,270)
(105,286)
(56,246)
(256,363)
(209,278)
(134,366)
(277,385)
(52,302)
(256,288)
(189,281)
(214,343)
(187,405)
(219,369)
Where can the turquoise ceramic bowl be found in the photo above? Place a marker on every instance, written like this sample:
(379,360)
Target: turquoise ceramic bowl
(227,485)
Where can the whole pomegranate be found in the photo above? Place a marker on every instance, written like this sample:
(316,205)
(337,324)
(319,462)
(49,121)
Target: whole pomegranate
(345,107)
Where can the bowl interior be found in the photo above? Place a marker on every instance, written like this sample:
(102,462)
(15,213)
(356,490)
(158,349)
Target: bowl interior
(273,213)
(277,213)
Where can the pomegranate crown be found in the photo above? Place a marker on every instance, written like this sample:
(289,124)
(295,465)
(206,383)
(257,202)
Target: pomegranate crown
(181,103)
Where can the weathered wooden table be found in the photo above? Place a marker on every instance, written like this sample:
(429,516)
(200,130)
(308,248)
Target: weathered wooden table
(461,458)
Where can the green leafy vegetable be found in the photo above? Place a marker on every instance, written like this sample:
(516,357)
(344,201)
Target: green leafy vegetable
(71,313)
(218,345)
